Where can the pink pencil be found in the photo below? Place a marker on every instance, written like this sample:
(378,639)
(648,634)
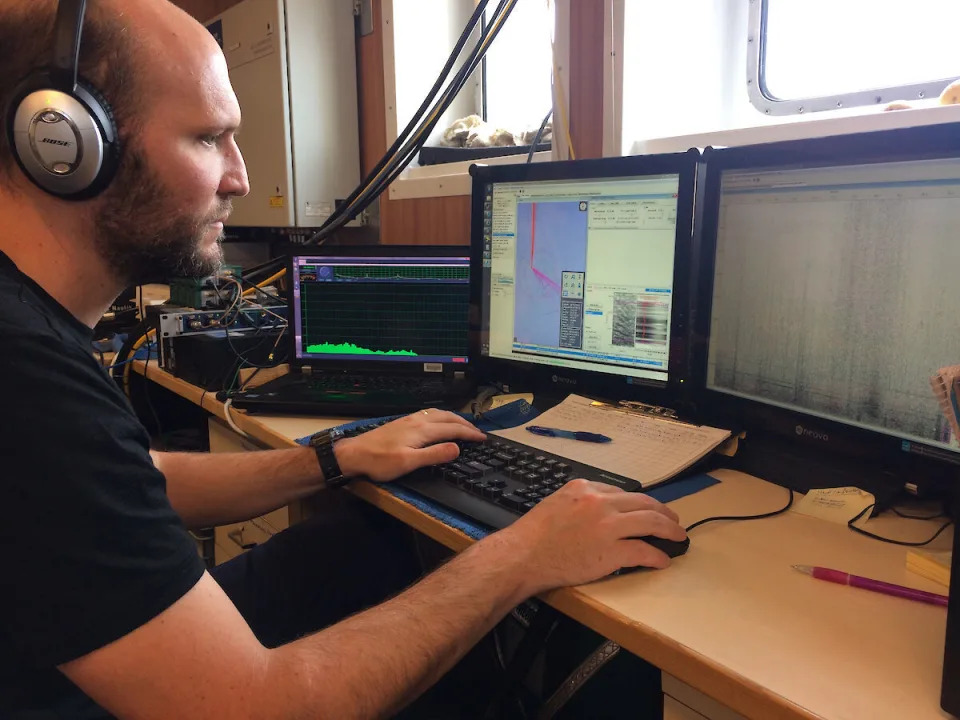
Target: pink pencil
(838,576)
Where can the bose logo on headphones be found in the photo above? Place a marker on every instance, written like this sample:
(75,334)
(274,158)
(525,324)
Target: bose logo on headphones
(52,141)
(812,434)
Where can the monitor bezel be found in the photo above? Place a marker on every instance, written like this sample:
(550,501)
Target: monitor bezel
(547,378)
(797,428)
(367,251)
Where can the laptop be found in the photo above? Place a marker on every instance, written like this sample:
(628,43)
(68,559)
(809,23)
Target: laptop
(374,331)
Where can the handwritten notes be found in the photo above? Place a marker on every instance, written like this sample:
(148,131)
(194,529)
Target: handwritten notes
(838,505)
(646,449)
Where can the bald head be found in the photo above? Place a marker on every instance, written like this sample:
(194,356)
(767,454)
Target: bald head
(135,52)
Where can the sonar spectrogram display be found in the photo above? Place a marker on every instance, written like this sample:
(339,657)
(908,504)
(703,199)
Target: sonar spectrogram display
(840,303)
(551,241)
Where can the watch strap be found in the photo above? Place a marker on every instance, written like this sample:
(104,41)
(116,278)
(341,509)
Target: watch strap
(322,444)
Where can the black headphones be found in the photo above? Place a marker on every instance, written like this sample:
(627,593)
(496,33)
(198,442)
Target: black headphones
(61,129)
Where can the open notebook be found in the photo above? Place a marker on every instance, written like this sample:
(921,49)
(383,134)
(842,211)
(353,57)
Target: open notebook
(647,449)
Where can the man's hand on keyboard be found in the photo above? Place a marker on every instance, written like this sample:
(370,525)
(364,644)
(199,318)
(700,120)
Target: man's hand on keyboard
(404,445)
(585,531)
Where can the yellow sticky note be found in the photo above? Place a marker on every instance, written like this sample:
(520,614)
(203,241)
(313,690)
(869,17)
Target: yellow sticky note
(838,505)
(276,201)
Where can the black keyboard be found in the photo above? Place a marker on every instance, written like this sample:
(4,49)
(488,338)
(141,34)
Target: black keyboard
(497,481)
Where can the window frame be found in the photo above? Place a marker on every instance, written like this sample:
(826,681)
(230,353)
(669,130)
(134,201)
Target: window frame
(453,179)
(767,103)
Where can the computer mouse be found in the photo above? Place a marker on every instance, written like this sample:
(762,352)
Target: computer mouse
(672,548)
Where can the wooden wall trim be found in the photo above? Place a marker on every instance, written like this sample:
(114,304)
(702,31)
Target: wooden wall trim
(586,77)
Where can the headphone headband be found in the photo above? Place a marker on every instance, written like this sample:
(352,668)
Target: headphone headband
(66,44)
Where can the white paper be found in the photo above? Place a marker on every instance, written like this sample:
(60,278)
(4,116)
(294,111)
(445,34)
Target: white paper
(646,449)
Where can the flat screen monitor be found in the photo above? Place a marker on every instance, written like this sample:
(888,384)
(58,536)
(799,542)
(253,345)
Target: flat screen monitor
(581,271)
(828,291)
(369,306)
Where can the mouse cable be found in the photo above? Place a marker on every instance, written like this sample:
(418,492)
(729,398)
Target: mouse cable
(744,517)
(906,543)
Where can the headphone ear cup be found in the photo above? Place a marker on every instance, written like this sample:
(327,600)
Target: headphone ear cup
(66,143)
(102,113)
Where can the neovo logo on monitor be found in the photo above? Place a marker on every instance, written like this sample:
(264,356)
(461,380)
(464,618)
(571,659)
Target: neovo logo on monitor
(812,434)
(560,380)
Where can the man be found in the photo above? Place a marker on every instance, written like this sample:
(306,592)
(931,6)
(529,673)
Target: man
(103,596)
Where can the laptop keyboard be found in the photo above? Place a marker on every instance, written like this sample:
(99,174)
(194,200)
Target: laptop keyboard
(496,481)
(370,383)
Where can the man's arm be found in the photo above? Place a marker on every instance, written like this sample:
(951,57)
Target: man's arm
(198,659)
(209,489)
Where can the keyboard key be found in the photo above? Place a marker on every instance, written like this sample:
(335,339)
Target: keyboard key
(512,501)
(560,476)
(507,457)
(495,463)
(480,467)
(480,485)
(527,506)
(530,478)
(466,470)
(540,459)
(550,462)
(497,482)
(514,472)
(492,492)
(562,467)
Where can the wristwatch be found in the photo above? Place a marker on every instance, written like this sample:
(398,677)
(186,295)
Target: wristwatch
(322,444)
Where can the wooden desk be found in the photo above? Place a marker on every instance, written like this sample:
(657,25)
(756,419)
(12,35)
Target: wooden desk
(731,618)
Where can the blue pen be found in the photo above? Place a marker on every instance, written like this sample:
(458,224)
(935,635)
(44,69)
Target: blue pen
(569,434)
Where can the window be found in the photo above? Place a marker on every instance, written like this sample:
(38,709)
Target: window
(511,90)
(823,54)
(519,65)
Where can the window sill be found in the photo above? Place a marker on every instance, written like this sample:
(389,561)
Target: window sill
(449,179)
(821,125)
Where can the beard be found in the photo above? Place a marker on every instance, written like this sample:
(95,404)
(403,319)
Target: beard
(145,237)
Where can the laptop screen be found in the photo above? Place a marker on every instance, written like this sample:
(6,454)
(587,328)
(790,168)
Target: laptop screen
(386,309)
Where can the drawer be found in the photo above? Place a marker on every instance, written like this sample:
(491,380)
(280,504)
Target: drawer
(693,701)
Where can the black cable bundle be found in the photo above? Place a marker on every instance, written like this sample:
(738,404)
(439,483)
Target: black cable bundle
(405,147)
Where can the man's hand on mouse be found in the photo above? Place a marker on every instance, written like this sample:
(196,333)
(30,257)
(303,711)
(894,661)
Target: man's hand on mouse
(404,445)
(587,530)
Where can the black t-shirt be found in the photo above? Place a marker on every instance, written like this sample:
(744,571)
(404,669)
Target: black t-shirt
(92,548)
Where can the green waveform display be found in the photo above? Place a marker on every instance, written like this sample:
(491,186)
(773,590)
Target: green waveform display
(351,349)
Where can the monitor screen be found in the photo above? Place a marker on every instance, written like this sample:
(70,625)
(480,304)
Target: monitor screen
(578,273)
(835,294)
(396,309)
